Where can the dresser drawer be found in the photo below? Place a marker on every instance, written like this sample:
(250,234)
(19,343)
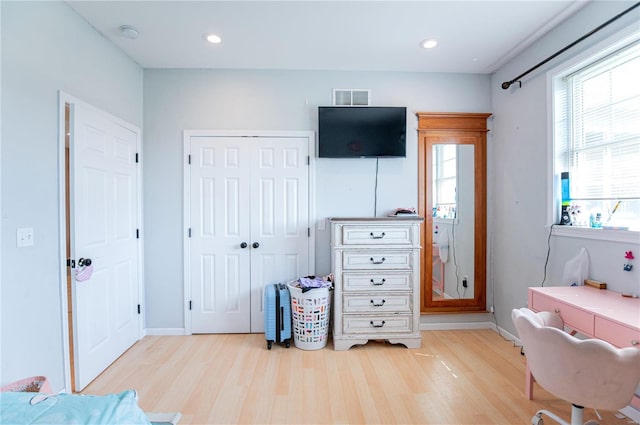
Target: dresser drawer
(615,333)
(378,281)
(377,302)
(376,260)
(573,317)
(372,324)
(377,235)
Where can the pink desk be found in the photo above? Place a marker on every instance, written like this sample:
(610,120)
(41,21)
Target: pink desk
(595,313)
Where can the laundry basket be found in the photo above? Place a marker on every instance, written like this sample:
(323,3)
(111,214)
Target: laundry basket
(310,312)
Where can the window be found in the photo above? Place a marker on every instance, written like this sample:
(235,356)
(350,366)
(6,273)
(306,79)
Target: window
(597,139)
(444,180)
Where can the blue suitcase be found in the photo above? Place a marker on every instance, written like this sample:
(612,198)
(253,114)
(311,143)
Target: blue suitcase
(277,315)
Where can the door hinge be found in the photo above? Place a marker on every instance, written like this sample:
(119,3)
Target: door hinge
(138,308)
(189,159)
(308,232)
(189,304)
(308,160)
(71,263)
(137,233)
(189,231)
(137,158)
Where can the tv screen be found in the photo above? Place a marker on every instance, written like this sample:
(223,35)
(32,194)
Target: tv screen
(361,131)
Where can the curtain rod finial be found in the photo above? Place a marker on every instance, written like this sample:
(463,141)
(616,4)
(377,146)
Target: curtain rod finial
(506,85)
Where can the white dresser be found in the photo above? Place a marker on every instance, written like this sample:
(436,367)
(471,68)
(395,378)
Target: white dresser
(376,267)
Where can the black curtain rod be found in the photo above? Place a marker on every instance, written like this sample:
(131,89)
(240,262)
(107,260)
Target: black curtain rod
(507,84)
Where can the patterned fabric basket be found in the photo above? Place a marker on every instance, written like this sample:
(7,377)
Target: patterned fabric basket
(35,384)
(310,312)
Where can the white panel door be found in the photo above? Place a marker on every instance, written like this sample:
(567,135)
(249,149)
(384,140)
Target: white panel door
(219,265)
(249,219)
(279,217)
(104,206)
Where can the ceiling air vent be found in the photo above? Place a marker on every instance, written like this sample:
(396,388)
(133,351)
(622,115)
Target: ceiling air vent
(351,97)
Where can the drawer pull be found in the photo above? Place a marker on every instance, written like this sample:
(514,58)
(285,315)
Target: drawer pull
(378,283)
(380,304)
(635,342)
(379,325)
(380,236)
(377,261)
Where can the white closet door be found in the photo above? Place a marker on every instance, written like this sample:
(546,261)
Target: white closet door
(279,216)
(104,221)
(220,220)
(245,190)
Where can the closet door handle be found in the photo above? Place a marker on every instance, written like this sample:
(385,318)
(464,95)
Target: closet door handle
(255,245)
(243,245)
(377,261)
(373,282)
(380,236)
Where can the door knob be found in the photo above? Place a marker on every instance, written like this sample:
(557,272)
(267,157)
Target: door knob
(243,245)
(255,245)
(84,262)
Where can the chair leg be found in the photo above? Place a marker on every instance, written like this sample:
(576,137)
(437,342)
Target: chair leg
(537,419)
(577,414)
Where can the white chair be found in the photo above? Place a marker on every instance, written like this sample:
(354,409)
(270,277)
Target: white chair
(591,372)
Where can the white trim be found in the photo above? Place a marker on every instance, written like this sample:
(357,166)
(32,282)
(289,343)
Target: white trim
(165,332)
(451,326)
(64,98)
(558,19)
(631,413)
(186,207)
(626,236)
(186,218)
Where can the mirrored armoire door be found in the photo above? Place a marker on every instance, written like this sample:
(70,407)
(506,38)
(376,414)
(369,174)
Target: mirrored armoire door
(452,199)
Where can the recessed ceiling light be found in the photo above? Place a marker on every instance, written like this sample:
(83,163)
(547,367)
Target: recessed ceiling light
(212,38)
(128,31)
(428,44)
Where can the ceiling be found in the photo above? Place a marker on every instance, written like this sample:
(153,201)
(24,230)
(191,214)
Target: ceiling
(473,36)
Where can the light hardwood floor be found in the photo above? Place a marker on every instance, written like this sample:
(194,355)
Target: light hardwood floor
(456,377)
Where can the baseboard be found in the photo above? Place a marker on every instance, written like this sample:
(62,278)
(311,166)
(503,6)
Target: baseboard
(631,413)
(164,331)
(456,326)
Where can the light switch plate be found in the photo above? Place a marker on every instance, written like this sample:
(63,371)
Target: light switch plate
(24,237)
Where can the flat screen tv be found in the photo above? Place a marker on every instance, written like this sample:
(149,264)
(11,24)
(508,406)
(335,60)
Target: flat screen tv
(362,131)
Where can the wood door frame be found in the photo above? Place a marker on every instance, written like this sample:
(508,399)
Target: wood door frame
(63,202)
(186,197)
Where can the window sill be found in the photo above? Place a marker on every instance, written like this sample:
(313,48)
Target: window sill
(627,236)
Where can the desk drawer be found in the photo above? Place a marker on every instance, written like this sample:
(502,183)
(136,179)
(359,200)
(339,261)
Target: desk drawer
(377,302)
(377,235)
(377,259)
(615,333)
(573,317)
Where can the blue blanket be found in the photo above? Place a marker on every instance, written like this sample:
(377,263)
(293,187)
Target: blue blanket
(72,409)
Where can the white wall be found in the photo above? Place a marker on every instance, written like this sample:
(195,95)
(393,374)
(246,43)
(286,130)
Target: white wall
(177,100)
(46,47)
(518,173)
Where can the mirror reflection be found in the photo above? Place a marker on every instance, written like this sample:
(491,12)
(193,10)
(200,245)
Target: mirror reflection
(453,211)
